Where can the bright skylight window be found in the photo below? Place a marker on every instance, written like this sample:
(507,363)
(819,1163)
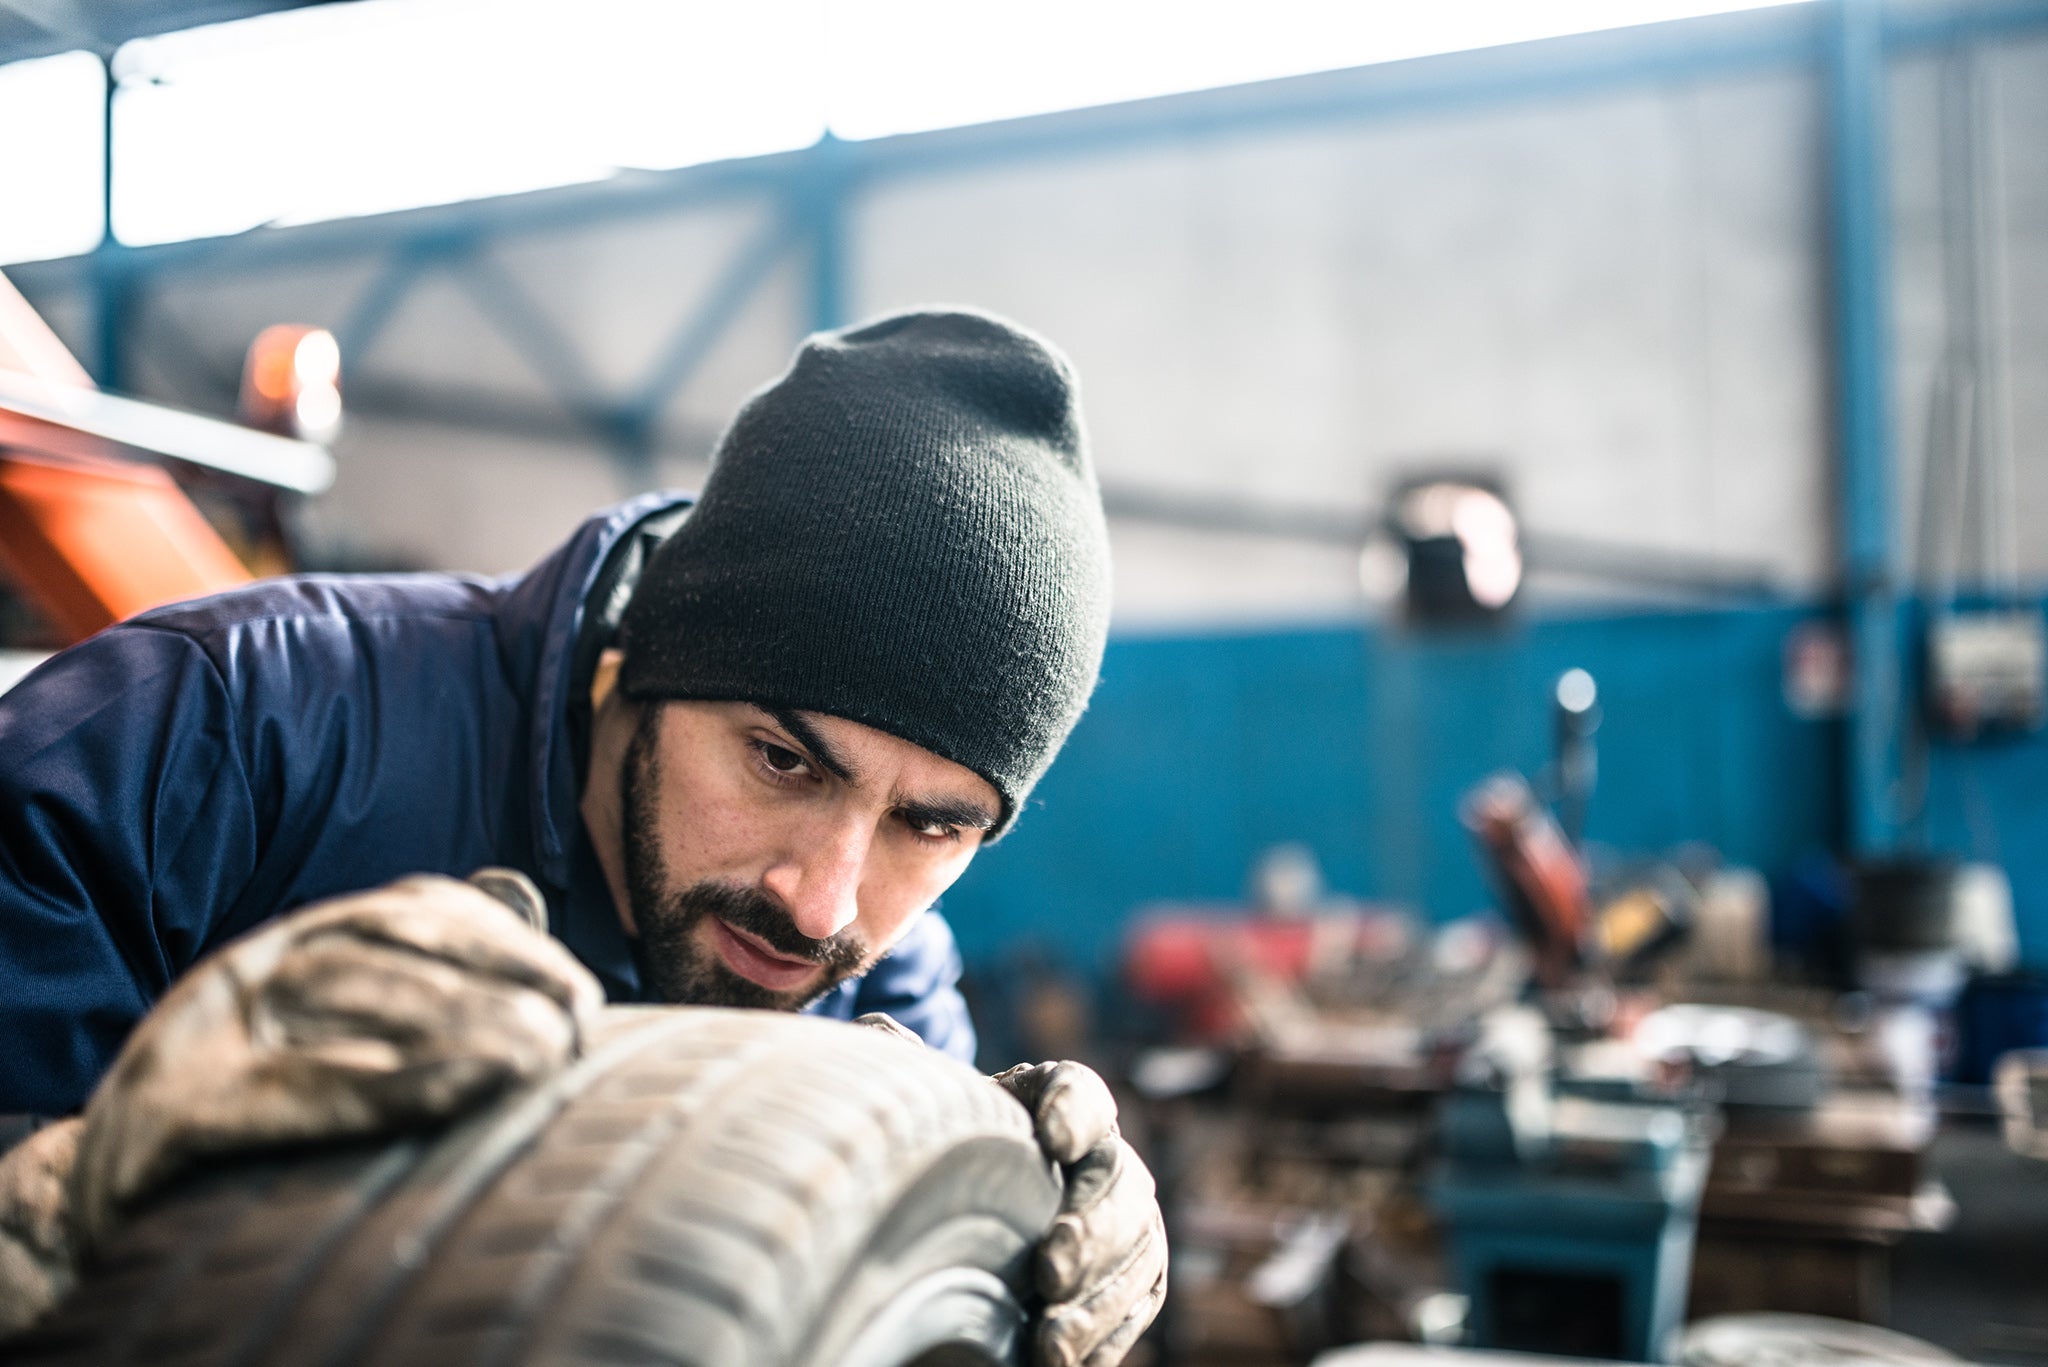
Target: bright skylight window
(339,110)
(52,168)
(910,65)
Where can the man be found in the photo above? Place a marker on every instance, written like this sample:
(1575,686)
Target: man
(741,748)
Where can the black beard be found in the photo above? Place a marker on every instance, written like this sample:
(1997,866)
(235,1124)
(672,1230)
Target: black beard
(672,962)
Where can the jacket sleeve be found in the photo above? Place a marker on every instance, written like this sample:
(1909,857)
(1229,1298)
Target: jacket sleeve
(126,826)
(918,982)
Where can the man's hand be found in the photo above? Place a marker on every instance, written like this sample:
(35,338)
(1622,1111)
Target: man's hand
(1102,1267)
(38,1244)
(358,1016)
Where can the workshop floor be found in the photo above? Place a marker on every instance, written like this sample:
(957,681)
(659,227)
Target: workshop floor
(1980,1288)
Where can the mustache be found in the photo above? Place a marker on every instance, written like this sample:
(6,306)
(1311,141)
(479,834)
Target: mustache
(761,916)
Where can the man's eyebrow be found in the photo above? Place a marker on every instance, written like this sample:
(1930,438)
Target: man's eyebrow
(807,736)
(946,811)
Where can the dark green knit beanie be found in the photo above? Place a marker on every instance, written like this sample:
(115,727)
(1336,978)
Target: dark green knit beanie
(904,530)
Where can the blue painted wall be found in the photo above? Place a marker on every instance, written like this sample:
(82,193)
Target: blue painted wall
(1200,751)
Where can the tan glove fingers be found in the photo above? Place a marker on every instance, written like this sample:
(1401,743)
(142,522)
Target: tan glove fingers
(462,925)
(341,1038)
(1069,1102)
(338,1089)
(1108,1208)
(372,1008)
(39,1246)
(1073,1332)
(361,1014)
(186,1052)
(889,1025)
(1113,1349)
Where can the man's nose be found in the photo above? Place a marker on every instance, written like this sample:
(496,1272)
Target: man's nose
(818,881)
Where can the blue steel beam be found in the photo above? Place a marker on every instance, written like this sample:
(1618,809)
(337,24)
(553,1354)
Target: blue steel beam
(1859,213)
(825,199)
(627,427)
(113,281)
(549,352)
(116,285)
(379,301)
(686,349)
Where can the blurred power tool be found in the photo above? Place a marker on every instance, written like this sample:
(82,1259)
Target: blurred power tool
(1578,763)
(1572,1234)
(1540,877)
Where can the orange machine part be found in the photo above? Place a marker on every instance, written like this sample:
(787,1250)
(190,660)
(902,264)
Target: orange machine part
(90,541)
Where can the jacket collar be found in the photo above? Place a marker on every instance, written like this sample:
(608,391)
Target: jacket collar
(552,597)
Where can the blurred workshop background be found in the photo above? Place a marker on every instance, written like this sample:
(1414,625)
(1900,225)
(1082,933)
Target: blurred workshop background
(1564,822)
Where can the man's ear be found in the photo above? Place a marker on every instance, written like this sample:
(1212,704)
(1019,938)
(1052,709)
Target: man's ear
(606,677)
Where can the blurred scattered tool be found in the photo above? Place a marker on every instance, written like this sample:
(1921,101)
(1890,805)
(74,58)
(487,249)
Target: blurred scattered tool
(1412,1355)
(1800,1341)
(2021,1085)
(1905,913)
(1743,1057)
(1651,915)
(1805,1204)
(1731,940)
(1346,1010)
(1572,1233)
(291,388)
(291,383)
(1987,672)
(1317,1032)
(1577,713)
(1298,970)
(1574,937)
(1540,878)
(1269,1216)
(1462,547)
(1567,1170)
(1997,1014)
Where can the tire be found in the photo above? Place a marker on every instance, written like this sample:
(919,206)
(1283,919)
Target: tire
(706,1187)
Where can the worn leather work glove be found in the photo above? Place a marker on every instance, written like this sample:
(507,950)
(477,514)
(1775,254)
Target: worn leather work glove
(1102,1265)
(361,1015)
(38,1244)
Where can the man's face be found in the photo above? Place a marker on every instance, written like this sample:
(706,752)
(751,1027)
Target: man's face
(770,855)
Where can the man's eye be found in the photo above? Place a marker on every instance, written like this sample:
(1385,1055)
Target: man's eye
(935,830)
(781,759)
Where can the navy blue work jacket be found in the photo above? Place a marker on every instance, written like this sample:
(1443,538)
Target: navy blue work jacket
(188,774)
